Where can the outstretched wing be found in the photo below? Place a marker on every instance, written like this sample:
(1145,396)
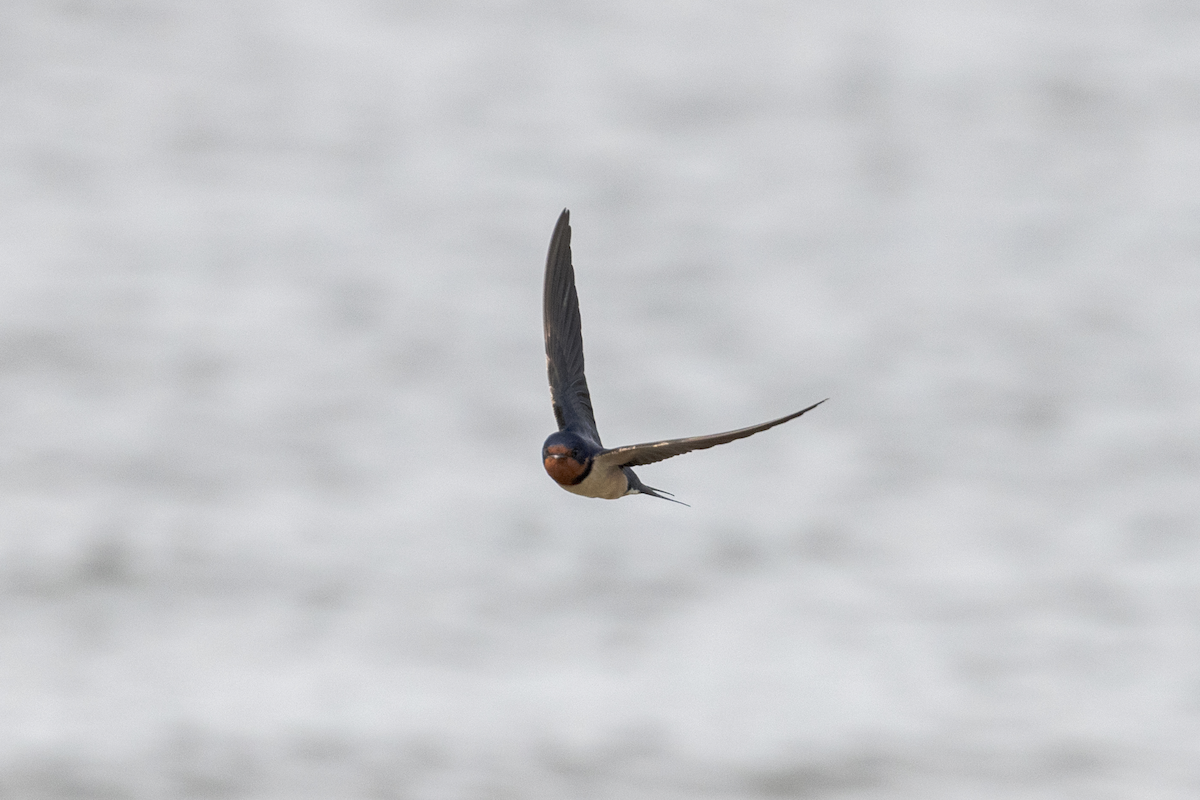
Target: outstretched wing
(637,454)
(564,337)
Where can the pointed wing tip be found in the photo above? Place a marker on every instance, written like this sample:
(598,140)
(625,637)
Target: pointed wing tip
(562,229)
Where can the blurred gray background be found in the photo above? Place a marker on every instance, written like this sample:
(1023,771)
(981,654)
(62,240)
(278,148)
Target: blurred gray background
(272,392)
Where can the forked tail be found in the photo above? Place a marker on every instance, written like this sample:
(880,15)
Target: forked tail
(637,487)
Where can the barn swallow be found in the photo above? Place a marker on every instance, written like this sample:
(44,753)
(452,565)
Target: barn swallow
(574,456)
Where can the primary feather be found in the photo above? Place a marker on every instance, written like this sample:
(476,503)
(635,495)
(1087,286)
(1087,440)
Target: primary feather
(634,455)
(564,337)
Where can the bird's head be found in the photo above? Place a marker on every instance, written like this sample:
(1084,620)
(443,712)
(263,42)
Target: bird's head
(567,458)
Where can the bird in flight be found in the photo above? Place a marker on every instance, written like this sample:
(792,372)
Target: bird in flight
(574,456)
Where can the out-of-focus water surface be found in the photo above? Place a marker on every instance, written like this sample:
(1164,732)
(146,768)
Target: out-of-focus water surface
(272,520)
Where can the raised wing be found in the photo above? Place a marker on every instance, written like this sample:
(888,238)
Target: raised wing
(634,455)
(564,337)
